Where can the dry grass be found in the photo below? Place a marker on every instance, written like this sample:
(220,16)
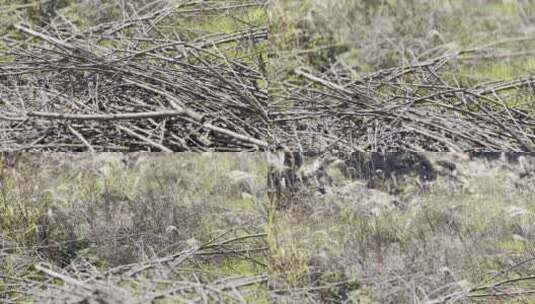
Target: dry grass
(111,212)
(371,35)
(356,244)
(188,226)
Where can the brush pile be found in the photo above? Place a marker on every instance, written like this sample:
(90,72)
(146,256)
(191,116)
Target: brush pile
(172,277)
(153,80)
(422,107)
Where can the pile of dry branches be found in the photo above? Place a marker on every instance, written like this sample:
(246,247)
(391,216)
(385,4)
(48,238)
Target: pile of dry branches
(132,85)
(135,85)
(422,107)
(169,278)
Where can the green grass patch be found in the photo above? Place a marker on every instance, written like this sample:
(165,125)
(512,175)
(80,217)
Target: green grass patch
(242,204)
(513,246)
(241,267)
(500,7)
(500,70)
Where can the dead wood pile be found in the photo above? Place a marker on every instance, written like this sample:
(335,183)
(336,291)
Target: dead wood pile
(421,107)
(174,277)
(134,84)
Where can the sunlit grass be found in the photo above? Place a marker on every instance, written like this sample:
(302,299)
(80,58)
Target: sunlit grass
(499,70)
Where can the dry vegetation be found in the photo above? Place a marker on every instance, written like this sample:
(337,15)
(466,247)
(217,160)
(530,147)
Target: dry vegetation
(133,229)
(161,228)
(326,78)
(467,236)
